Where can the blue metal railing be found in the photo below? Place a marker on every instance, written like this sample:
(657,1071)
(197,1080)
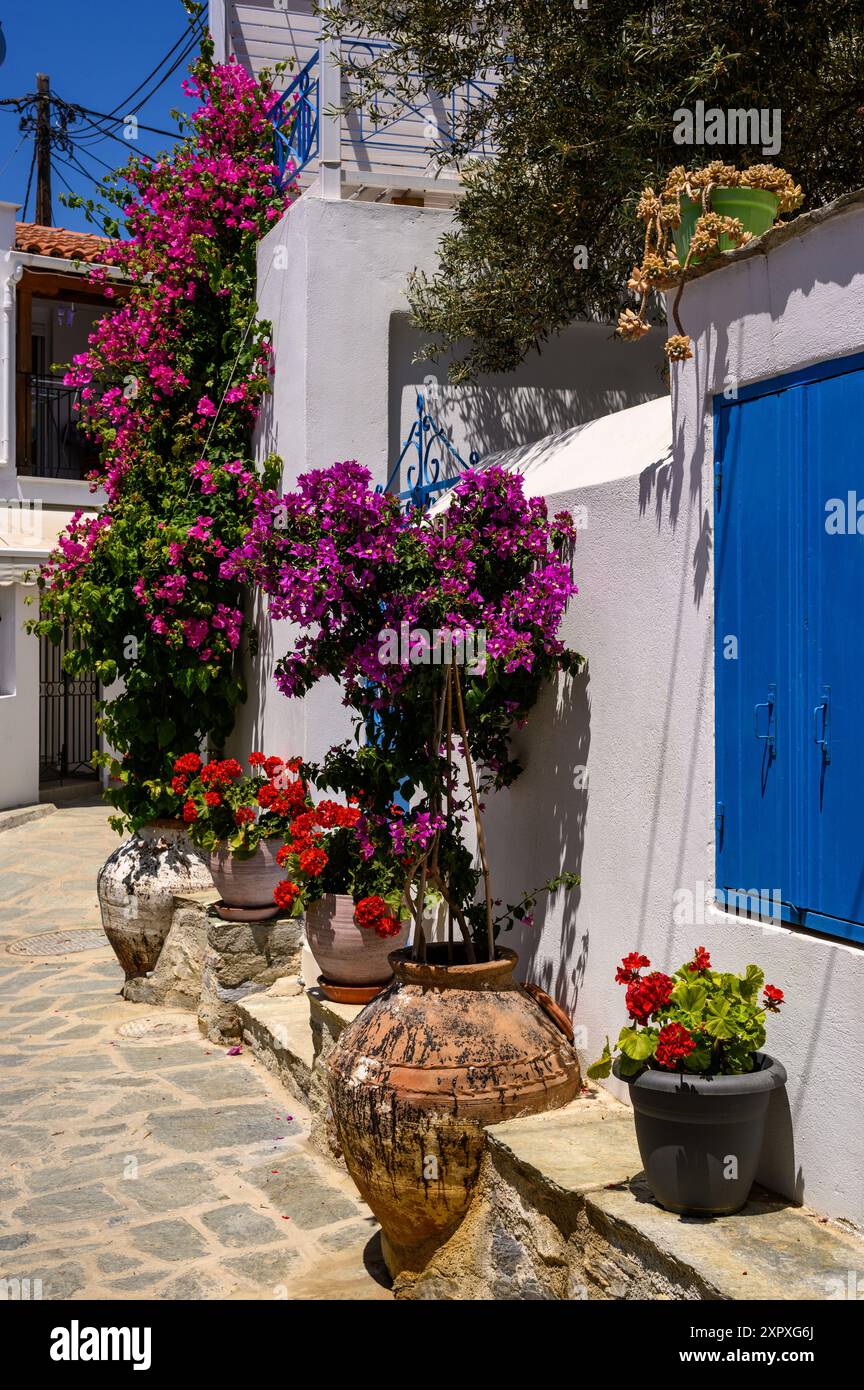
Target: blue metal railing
(423,476)
(297,116)
(296,120)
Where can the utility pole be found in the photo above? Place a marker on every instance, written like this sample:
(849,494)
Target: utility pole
(43,150)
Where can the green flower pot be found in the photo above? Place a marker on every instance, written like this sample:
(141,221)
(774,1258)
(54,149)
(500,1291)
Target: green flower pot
(754,207)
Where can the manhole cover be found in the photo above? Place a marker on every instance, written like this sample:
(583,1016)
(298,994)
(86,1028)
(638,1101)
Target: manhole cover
(59,943)
(156,1028)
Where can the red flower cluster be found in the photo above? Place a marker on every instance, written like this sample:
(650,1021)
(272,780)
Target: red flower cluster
(189,764)
(190,811)
(256,759)
(673,1044)
(773,998)
(220,774)
(629,968)
(213,798)
(286,894)
(243,815)
(647,995)
(701,960)
(313,861)
(330,815)
(374,914)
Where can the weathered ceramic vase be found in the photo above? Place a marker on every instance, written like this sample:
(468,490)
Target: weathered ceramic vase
(442,1052)
(345,953)
(246,885)
(137,886)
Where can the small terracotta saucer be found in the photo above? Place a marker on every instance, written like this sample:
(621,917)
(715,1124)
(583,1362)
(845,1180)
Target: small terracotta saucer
(245,914)
(348,994)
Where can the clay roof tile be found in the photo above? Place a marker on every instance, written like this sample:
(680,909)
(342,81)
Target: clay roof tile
(61,243)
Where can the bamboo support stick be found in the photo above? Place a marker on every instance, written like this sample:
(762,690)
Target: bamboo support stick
(481,839)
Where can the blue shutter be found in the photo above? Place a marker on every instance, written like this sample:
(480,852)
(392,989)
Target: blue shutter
(833,775)
(789,711)
(758,650)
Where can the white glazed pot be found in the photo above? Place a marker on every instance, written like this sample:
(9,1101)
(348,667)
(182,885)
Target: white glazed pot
(137,886)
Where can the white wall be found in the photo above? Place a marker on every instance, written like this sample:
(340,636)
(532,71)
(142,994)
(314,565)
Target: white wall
(641,720)
(331,278)
(19,701)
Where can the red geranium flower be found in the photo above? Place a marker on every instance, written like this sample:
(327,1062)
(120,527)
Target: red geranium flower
(190,811)
(272,765)
(701,960)
(373,914)
(189,762)
(266,795)
(629,968)
(313,861)
(647,996)
(773,998)
(178,786)
(213,798)
(256,759)
(286,894)
(673,1043)
(243,815)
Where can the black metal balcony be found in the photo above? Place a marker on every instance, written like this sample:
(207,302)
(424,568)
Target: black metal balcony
(52,446)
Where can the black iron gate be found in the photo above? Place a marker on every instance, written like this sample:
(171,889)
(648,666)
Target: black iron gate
(67,718)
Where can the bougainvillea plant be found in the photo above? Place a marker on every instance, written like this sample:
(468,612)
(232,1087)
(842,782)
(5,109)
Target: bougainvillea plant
(171,383)
(661,213)
(699,1020)
(373,593)
(223,806)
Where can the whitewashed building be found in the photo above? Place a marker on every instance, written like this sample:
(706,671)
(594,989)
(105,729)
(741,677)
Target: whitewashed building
(47,720)
(713,549)
(332,278)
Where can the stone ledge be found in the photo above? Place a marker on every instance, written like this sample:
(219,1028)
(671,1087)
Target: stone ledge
(562,1212)
(20,815)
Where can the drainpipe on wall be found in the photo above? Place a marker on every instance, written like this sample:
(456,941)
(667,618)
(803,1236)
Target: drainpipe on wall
(11,271)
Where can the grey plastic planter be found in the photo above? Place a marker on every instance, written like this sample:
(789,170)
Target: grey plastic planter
(700,1137)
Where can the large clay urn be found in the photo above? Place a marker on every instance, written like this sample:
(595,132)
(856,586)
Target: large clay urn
(442,1052)
(345,953)
(137,886)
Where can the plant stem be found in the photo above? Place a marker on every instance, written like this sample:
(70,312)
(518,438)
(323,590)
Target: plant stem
(481,839)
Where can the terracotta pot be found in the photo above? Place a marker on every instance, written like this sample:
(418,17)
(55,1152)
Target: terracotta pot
(345,953)
(248,883)
(442,1052)
(137,886)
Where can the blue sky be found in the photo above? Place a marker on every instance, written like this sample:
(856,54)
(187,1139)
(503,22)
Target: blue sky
(96,54)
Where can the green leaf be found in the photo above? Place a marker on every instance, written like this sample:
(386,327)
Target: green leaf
(637,1045)
(689,996)
(751,982)
(602,1067)
(628,1066)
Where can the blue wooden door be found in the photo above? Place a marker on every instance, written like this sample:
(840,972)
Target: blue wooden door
(833,776)
(758,651)
(789,646)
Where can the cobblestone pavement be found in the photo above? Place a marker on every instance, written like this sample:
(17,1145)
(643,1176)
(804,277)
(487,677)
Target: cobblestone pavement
(136,1159)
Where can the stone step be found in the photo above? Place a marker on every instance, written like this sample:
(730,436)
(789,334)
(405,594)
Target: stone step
(292,1031)
(562,1211)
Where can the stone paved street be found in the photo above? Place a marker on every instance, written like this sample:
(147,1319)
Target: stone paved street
(136,1159)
